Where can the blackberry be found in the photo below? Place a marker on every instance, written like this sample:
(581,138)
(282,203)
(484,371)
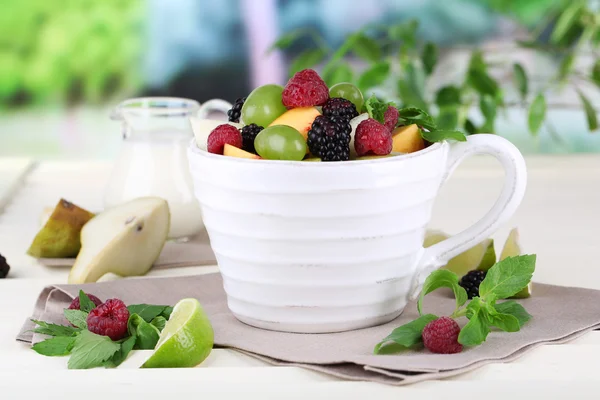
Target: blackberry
(249,133)
(4,267)
(339,107)
(329,139)
(471,281)
(235,112)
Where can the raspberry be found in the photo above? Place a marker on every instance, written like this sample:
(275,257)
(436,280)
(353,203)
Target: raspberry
(235,112)
(339,107)
(391,117)
(222,134)
(109,319)
(305,89)
(471,282)
(4,267)
(372,136)
(249,133)
(441,336)
(75,303)
(329,139)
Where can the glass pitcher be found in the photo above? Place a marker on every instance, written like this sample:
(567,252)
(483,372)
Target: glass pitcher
(153,160)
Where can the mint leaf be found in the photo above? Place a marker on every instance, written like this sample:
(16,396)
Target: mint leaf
(159,322)
(590,113)
(147,311)
(366,48)
(413,115)
(443,278)
(521,81)
(475,331)
(120,356)
(373,76)
(429,57)
(515,309)
(506,322)
(91,350)
(167,312)
(54,330)
(537,113)
(507,277)
(376,109)
(408,334)
(56,346)
(146,334)
(439,136)
(85,304)
(307,59)
(77,318)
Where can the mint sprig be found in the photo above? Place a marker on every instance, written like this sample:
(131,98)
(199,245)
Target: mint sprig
(376,109)
(503,280)
(89,350)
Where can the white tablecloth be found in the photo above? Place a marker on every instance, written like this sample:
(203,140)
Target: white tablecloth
(558,220)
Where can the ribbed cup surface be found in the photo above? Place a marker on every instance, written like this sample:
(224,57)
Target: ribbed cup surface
(317,247)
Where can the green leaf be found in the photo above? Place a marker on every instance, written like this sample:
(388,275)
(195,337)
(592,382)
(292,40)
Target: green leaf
(447,118)
(336,73)
(147,335)
(565,66)
(307,59)
(537,113)
(166,313)
(415,79)
(568,18)
(407,335)
(376,109)
(159,322)
(429,57)
(85,304)
(405,32)
(590,112)
(515,309)
(441,135)
(483,83)
(366,48)
(77,318)
(442,278)
(121,355)
(56,346)
(521,80)
(487,105)
(596,73)
(477,63)
(470,127)
(506,322)
(374,76)
(448,96)
(287,39)
(476,330)
(55,330)
(148,311)
(413,115)
(91,350)
(507,277)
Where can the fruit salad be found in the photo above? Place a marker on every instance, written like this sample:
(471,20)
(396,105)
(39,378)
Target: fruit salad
(308,121)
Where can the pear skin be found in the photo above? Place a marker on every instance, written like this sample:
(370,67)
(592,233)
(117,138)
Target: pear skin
(124,240)
(59,237)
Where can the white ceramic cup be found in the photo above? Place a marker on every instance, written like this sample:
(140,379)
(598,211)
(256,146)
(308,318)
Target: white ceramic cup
(328,247)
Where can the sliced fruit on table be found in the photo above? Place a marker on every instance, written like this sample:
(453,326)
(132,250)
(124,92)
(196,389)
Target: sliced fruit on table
(263,105)
(512,248)
(186,340)
(233,151)
(59,237)
(124,240)
(407,139)
(300,119)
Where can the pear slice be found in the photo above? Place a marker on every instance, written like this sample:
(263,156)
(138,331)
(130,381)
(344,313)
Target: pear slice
(59,236)
(467,260)
(513,248)
(125,240)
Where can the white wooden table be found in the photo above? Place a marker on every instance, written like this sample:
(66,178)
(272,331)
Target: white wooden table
(558,220)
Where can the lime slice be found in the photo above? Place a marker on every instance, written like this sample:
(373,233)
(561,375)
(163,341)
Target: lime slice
(467,260)
(489,258)
(186,340)
(511,249)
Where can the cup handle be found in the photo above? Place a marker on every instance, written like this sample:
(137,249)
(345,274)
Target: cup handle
(213,105)
(507,203)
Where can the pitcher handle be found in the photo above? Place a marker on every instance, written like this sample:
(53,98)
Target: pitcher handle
(515,181)
(213,105)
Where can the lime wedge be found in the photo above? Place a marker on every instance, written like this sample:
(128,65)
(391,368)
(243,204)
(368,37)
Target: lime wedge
(186,340)
(511,249)
(467,260)
(489,258)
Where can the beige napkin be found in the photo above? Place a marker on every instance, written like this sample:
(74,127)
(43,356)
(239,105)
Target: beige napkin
(193,253)
(559,314)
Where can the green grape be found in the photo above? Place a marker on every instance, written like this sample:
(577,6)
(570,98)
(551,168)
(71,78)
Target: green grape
(349,92)
(263,105)
(280,142)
